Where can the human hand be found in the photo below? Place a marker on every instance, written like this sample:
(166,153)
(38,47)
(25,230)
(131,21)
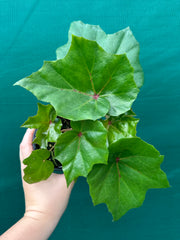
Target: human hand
(45,202)
(46,199)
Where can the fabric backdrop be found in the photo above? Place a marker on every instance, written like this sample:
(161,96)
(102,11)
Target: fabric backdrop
(30,32)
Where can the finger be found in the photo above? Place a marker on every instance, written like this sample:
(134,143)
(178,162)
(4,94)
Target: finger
(26,146)
(28,137)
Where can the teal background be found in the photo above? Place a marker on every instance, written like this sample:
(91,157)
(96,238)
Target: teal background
(30,32)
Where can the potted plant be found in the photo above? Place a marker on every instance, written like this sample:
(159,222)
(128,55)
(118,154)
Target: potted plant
(88,125)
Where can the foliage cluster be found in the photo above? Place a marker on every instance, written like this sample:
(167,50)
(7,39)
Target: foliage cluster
(92,85)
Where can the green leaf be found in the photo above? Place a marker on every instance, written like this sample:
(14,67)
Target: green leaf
(38,167)
(78,150)
(133,168)
(123,126)
(45,114)
(130,113)
(86,84)
(118,43)
(50,135)
(49,128)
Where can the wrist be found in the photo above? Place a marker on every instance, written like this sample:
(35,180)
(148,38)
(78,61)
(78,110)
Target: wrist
(44,219)
(33,225)
(35,214)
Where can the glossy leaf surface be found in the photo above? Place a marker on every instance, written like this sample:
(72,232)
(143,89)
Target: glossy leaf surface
(49,128)
(123,126)
(86,84)
(78,150)
(120,42)
(133,168)
(38,167)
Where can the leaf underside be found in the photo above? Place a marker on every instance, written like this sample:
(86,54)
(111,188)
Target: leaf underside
(133,168)
(87,84)
(120,42)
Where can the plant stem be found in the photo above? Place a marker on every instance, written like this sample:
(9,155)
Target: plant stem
(52,156)
(66,130)
(52,148)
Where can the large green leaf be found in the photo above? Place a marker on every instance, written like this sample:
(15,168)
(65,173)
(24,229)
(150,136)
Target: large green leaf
(123,126)
(117,43)
(86,84)
(78,150)
(49,127)
(38,167)
(133,168)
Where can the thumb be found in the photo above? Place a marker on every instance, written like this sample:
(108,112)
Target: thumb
(26,146)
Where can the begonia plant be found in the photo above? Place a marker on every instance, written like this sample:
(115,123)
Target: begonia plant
(87,118)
